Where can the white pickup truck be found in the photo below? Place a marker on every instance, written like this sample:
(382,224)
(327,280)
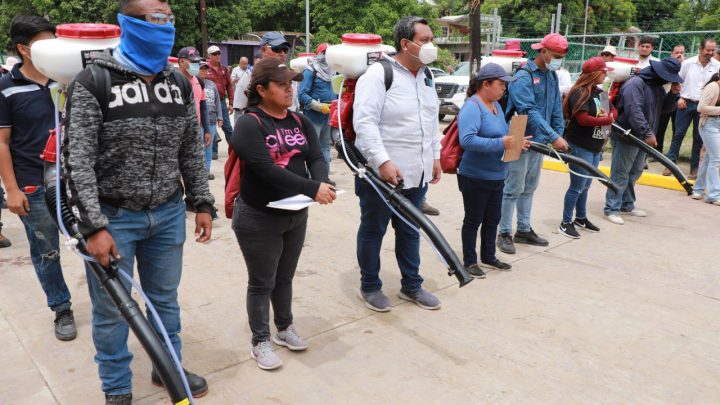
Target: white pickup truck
(451,90)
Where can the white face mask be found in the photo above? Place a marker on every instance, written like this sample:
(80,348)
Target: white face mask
(193,68)
(554,64)
(428,53)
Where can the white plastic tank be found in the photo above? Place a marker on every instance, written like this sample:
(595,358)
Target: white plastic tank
(66,55)
(510,60)
(355,54)
(303,60)
(625,68)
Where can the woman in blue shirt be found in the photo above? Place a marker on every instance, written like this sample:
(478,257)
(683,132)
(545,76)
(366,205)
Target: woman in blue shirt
(483,135)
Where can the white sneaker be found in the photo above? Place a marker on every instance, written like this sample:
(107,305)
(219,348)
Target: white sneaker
(265,356)
(713,202)
(696,196)
(615,218)
(290,339)
(636,212)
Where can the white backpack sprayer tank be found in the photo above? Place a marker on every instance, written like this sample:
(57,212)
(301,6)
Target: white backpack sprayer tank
(63,57)
(624,69)
(302,61)
(510,60)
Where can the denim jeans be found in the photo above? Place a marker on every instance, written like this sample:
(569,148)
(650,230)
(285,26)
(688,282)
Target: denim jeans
(155,239)
(209,149)
(374,218)
(628,162)
(271,245)
(683,118)
(226,127)
(482,200)
(708,176)
(520,185)
(665,119)
(43,237)
(577,193)
(323,132)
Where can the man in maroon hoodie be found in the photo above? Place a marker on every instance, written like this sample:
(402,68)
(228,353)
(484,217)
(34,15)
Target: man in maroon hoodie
(220,75)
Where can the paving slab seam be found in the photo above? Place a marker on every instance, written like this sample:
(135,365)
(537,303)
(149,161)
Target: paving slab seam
(12,328)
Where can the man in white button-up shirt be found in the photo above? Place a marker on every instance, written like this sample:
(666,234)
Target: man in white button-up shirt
(696,71)
(397,131)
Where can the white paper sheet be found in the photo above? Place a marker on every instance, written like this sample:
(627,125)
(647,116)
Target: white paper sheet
(296,202)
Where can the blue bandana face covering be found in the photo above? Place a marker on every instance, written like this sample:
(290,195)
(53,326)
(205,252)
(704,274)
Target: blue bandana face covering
(145,44)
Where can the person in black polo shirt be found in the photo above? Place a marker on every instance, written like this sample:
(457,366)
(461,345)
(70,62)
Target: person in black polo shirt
(27,114)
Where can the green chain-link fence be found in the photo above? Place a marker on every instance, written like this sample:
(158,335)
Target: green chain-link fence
(583,47)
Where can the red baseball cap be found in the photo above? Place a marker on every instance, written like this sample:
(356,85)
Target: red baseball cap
(553,42)
(596,64)
(322,48)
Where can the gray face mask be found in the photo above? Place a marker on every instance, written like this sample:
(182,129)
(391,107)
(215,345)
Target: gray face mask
(320,59)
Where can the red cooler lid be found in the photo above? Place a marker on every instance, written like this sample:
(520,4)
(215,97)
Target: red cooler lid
(508,53)
(88,31)
(625,60)
(362,39)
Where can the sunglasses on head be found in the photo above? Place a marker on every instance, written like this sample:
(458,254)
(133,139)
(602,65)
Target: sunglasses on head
(280,49)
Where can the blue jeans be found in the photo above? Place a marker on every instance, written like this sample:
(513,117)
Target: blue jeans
(683,118)
(209,149)
(628,162)
(520,185)
(577,193)
(323,132)
(155,239)
(43,237)
(708,176)
(482,200)
(374,218)
(226,127)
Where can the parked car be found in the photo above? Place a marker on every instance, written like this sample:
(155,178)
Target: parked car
(451,90)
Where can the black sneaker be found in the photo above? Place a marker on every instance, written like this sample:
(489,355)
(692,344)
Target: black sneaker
(568,230)
(121,399)
(65,325)
(4,242)
(497,265)
(198,385)
(475,271)
(585,224)
(530,238)
(505,243)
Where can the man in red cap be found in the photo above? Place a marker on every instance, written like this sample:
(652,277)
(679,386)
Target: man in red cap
(535,93)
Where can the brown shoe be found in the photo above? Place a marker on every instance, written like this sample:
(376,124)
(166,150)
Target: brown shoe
(666,172)
(693,174)
(427,209)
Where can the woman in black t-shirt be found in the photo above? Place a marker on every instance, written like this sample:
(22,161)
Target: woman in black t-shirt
(281,158)
(588,110)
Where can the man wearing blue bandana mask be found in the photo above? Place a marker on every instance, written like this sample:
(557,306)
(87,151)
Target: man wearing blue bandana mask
(131,152)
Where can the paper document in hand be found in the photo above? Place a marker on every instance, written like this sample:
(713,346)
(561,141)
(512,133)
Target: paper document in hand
(518,123)
(296,202)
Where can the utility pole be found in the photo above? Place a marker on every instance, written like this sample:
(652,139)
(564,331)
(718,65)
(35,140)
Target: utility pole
(308,48)
(557,19)
(587,6)
(552,23)
(475,37)
(203,27)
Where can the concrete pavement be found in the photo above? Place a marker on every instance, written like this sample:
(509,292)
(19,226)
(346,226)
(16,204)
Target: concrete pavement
(628,315)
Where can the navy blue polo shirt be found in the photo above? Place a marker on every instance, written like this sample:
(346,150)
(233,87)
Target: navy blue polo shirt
(28,110)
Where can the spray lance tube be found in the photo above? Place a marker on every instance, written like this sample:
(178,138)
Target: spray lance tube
(626,134)
(398,204)
(567,159)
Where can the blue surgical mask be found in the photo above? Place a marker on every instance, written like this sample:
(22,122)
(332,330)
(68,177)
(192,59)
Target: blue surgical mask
(193,69)
(146,44)
(555,64)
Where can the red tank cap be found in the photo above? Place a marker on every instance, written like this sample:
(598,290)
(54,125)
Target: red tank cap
(362,39)
(508,53)
(172,59)
(625,60)
(88,31)
(304,54)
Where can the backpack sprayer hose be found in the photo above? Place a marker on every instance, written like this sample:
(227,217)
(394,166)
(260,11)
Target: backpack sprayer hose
(397,202)
(658,156)
(164,358)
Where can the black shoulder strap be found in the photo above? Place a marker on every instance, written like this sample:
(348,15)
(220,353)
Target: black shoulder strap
(428,73)
(103,82)
(387,67)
